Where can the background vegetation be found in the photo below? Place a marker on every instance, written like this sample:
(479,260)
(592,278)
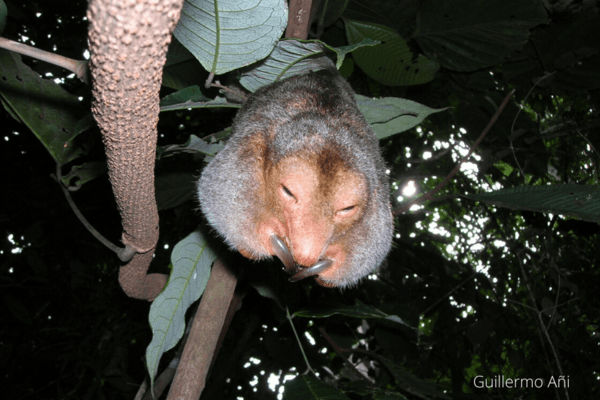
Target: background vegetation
(482,290)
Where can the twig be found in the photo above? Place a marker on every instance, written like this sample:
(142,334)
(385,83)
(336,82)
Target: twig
(209,80)
(540,324)
(338,350)
(376,356)
(289,317)
(449,293)
(233,92)
(515,120)
(124,253)
(429,195)
(79,68)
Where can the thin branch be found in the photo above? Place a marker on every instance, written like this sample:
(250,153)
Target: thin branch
(124,253)
(434,157)
(208,324)
(79,68)
(229,90)
(289,317)
(449,293)
(540,324)
(588,141)
(512,128)
(555,302)
(338,350)
(429,195)
(209,80)
(385,362)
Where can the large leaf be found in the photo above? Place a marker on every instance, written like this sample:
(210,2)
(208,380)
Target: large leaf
(392,62)
(359,310)
(582,201)
(228,34)
(390,115)
(399,15)
(191,259)
(466,35)
(292,57)
(570,47)
(565,54)
(48,110)
(195,145)
(192,97)
(82,174)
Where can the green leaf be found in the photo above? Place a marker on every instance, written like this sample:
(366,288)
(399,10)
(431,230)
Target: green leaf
(84,173)
(466,35)
(341,52)
(360,310)
(390,115)
(48,110)
(174,189)
(193,145)
(398,14)
(192,97)
(292,57)
(392,62)
(289,58)
(225,35)
(191,259)
(582,201)
(388,396)
(84,124)
(308,387)
(505,168)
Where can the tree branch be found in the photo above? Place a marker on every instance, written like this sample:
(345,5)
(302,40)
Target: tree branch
(78,67)
(429,195)
(206,329)
(299,19)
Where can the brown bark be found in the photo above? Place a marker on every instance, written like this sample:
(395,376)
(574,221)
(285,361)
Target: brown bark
(299,17)
(206,329)
(128,44)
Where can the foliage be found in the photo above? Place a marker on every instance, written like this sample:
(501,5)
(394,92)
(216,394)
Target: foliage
(481,290)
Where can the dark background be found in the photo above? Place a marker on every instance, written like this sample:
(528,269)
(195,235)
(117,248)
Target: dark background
(67,331)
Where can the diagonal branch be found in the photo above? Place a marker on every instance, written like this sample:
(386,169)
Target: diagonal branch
(429,195)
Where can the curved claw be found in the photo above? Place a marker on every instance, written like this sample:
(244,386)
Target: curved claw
(316,269)
(283,253)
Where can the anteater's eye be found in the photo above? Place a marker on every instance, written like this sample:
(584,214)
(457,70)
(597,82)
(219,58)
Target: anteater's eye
(287,191)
